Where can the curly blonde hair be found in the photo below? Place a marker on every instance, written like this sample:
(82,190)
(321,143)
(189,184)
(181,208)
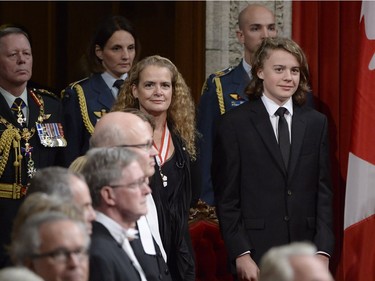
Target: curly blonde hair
(181,112)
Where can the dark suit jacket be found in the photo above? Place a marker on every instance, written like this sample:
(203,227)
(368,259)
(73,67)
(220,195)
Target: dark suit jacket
(154,266)
(42,157)
(108,260)
(82,109)
(259,203)
(233,81)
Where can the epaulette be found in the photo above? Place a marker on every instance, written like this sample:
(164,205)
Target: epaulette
(71,85)
(44,92)
(223,72)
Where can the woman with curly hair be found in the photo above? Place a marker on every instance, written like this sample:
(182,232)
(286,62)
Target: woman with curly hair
(156,87)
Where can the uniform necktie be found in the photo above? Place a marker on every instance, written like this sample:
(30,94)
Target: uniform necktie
(118,84)
(283,135)
(17,107)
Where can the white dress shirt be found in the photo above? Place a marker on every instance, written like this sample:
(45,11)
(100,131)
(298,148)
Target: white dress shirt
(110,80)
(272,107)
(121,235)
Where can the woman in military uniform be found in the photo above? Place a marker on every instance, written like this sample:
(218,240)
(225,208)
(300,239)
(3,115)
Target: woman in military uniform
(110,56)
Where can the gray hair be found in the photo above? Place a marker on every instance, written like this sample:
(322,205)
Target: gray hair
(53,180)
(7,29)
(39,202)
(28,242)
(275,264)
(18,273)
(104,166)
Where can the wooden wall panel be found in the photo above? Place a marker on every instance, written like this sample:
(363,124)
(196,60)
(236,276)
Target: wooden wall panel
(39,19)
(61,31)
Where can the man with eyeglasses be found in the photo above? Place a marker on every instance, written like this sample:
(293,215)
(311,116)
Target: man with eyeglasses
(133,130)
(54,246)
(119,188)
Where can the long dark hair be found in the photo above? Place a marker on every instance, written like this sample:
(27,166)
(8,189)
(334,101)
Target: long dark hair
(102,34)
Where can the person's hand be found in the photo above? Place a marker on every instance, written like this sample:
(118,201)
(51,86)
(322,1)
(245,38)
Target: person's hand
(324,259)
(247,270)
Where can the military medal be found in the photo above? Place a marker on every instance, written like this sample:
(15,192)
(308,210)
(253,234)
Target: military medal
(27,134)
(163,153)
(30,168)
(17,107)
(20,118)
(51,134)
(164,178)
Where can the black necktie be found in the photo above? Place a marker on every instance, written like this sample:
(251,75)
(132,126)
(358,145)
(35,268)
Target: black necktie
(283,135)
(118,83)
(17,107)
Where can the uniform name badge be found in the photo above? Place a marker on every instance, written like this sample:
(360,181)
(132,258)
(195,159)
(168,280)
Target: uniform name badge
(51,134)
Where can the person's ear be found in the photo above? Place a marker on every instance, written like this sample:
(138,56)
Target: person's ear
(108,195)
(135,91)
(99,52)
(240,36)
(260,74)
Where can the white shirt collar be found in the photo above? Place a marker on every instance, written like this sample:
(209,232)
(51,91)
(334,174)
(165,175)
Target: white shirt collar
(121,235)
(271,106)
(10,98)
(110,80)
(247,67)
(117,231)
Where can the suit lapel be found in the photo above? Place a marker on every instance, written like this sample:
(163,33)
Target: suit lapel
(105,96)
(263,125)
(298,132)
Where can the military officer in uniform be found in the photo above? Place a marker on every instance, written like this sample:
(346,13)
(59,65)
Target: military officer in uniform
(110,56)
(224,90)
(31,132)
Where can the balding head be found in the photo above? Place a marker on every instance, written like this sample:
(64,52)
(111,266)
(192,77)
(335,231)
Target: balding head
(255,23)
(127,130)
(113,129)
(252,13)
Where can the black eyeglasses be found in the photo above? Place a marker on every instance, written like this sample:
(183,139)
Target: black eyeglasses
(146,146)
(134,185)
(62,255)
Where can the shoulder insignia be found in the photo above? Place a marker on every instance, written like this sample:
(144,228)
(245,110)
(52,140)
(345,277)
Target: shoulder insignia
(235,96)
(204,87)
(71,85)
(44,92)
(224,71)
(100,113)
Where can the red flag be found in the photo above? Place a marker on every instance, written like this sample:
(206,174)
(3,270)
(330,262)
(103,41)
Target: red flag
(358,254)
